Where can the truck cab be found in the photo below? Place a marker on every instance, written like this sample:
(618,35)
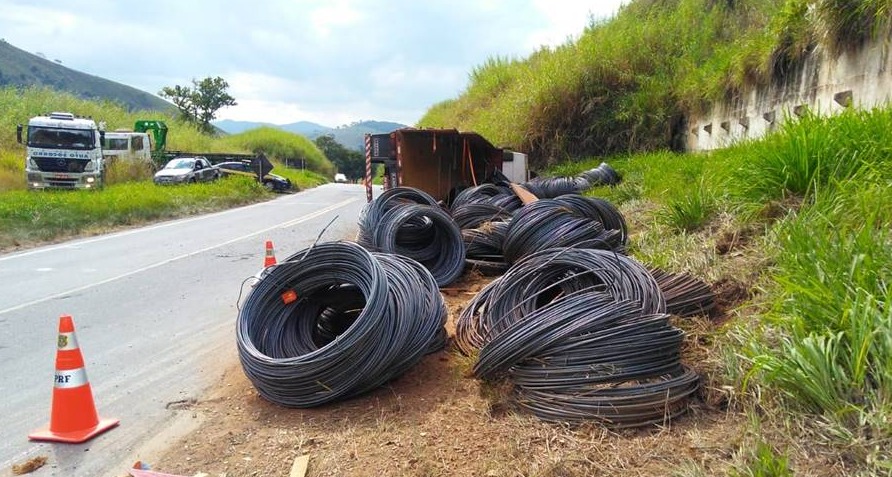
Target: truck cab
(62,151)
(127,146)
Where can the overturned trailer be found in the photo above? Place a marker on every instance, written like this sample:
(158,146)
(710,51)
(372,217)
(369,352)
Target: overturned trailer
(440,162)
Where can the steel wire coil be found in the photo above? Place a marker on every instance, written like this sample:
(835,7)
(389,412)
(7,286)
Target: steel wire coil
(598,209)
(483,248)
(426,234)
(551,187)
(475,214)
(487,194)
(582,335)
(359,320)
(602,175)
(633,403)
(373,211)
(551,223)
(685,294)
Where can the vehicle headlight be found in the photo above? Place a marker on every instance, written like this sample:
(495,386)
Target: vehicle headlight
(90,180)
(31,163)
(90,167)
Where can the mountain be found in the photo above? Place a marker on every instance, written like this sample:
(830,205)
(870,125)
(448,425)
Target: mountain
(306,128)
(351,136)
(20,68)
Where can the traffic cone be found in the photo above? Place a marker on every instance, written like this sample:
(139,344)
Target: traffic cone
(73,415)
(270,258)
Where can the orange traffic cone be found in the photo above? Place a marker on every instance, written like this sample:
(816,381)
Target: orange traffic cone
(73,416)
(270,258)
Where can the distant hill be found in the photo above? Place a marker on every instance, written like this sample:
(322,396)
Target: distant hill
(350,136)
(20,68)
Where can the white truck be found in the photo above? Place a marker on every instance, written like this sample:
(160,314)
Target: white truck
(62,151)
(125,145)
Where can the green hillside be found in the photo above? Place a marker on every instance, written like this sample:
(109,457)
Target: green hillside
(628,84)
(20,68)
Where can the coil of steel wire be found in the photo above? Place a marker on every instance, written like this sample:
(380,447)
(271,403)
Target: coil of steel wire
(354,320)
(550,223)
(475,214)
(597,209)
(551,187)
(424,233)
(483,248)
(602,175)
(582,334)
(685,295)
(482,194)
(373,211)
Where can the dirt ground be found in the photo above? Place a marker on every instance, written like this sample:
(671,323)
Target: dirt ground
(436,420)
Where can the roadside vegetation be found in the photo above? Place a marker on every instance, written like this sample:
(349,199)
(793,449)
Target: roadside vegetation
(797,225)
(627,84)
(130,197)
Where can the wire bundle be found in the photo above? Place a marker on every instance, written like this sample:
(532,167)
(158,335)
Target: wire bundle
(551,187)
(371,214)
(407,222)
(359,320)
(685,295)
(568,221)
(498,195)
(483,248)
(601,175)
(582,334)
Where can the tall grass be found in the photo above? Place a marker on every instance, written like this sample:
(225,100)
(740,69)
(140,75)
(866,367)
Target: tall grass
(626,85)
(27,217)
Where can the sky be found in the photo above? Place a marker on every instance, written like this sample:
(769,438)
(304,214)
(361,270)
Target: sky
(332,62)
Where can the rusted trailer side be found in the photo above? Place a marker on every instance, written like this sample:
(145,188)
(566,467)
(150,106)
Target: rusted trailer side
(440,162)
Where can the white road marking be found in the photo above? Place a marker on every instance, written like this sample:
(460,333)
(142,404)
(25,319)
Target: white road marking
(45,269)
(289,223)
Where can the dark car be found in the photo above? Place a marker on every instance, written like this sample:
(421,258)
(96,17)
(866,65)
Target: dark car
(272,182)
(184,170)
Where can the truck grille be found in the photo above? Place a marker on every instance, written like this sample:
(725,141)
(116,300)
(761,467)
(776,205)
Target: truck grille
(62,183)
(58,164)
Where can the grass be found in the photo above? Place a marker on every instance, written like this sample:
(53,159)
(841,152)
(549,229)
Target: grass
(27,217)
(810,203)
(626,84)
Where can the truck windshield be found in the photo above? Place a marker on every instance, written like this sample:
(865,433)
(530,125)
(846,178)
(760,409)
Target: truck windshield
(56,138)
(116,144)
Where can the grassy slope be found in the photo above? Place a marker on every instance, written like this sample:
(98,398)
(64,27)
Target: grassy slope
(22,69)
(627,84)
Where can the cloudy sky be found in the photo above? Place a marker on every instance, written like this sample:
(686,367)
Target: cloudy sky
(327,61)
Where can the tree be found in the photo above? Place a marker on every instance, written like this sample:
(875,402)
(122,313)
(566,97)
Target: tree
(199,104)
(349,162)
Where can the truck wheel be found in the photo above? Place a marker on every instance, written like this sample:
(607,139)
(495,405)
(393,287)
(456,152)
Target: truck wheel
(268,185)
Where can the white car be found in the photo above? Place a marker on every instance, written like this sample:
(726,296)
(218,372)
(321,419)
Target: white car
(340,178)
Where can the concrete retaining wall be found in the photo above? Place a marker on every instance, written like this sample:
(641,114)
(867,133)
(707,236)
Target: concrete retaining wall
(824,84)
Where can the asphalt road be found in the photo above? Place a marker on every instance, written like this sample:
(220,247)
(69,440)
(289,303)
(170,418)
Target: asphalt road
(154,310)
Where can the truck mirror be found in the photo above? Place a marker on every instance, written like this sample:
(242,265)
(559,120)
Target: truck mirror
(101,138)
(18,133)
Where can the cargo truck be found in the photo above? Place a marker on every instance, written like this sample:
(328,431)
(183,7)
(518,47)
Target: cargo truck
(440,162)
(62,151)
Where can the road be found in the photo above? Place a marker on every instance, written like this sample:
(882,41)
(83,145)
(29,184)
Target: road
(154,310)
